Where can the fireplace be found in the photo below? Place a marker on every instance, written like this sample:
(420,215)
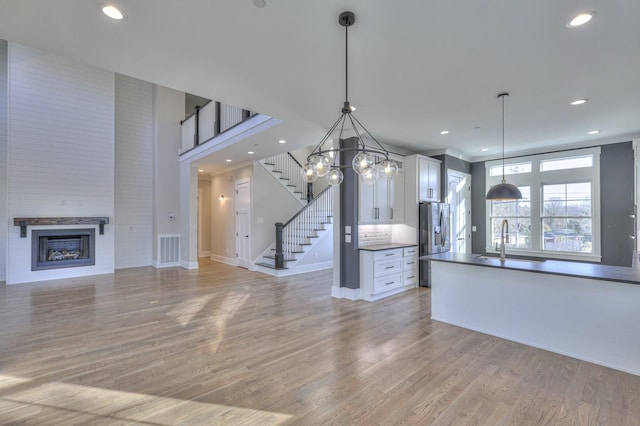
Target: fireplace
(62,248)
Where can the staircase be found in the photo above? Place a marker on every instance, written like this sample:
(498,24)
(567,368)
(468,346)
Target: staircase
(312,225)
(288,171)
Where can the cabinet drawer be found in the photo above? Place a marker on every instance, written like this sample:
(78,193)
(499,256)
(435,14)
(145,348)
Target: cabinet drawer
(410,263)
(387,254)
(410,277)
(387,267)
(410,251)
(387,282)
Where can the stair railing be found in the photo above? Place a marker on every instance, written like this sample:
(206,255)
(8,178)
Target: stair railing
(296,231)
(291,170)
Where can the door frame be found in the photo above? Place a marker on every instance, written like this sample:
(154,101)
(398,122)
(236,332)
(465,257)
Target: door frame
(461,175)
(242,263)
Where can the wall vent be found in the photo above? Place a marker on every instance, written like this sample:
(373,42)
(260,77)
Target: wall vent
(168,250)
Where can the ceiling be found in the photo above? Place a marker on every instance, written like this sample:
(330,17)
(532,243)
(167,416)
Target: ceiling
(416,67)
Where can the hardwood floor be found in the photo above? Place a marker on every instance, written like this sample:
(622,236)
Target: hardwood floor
(223,345)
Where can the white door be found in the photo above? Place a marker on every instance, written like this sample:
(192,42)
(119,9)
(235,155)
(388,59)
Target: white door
(459,198)
(243,222)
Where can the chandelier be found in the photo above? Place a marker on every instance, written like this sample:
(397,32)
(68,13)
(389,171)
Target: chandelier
(370,161)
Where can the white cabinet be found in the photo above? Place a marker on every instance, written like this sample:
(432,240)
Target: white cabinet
(428,179)
(382,202)
(387,272)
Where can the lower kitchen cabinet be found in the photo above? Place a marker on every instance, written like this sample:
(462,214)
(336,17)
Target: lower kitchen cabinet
(387,272)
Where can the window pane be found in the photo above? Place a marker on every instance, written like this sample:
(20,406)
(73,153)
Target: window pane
(519,234)
(566,163)
(510,169)
(572,199)
(568,234)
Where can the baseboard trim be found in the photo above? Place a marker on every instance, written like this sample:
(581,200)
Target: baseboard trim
(345,293)
(189,265)
(226,260)
(205,253)
(158,265)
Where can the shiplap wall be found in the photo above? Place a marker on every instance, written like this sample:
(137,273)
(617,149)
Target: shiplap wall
(60,152)
(133,172)
(3,160)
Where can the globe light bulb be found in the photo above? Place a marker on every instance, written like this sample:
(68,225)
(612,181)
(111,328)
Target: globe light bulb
(335,176)
(309,173)
(363,161)
(389,169)
(320,164)
(369,175)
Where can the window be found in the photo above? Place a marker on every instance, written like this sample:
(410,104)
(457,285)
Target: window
(559,213)
(518,216)
(567,224)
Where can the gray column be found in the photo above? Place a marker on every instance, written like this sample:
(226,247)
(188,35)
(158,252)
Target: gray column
(349,253)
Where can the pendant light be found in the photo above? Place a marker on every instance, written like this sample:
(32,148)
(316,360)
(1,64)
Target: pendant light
(370,162)
(504,190)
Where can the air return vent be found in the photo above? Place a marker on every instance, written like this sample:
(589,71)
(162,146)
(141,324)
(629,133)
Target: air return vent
(168,250)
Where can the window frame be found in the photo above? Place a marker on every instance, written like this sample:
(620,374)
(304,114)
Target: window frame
(536,179)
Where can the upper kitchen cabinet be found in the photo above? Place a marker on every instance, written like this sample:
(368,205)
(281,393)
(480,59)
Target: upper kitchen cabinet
(382,202)
(423,178)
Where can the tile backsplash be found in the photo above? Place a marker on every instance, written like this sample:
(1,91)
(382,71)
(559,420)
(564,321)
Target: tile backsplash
(369,235)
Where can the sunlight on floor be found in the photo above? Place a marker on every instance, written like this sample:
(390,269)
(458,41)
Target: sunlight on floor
(22,400)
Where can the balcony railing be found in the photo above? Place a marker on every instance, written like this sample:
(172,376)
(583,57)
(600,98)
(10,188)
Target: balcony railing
(209,121)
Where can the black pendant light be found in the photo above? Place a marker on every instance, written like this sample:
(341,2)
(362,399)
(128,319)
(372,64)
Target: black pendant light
(504,190)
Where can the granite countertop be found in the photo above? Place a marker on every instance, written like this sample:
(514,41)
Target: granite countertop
(377,247)
(596,271)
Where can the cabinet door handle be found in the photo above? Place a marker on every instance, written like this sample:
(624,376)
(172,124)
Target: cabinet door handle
(389,283)
(389,254)
(410,263)
(430,192)
(389,267)
(412,276)
(391,217)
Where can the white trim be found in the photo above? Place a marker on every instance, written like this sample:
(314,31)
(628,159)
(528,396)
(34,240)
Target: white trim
(467,177)
(189,265)
(226,260)
(345,293)
(296,270)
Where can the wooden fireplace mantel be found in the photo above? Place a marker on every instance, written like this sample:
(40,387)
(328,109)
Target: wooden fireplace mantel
(23,222)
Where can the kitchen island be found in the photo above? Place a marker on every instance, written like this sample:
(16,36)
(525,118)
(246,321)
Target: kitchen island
(586,311)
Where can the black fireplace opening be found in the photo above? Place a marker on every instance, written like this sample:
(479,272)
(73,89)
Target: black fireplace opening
(62,248)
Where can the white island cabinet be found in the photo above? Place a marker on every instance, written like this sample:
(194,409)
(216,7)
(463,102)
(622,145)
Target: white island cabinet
(586,311)
(387,271)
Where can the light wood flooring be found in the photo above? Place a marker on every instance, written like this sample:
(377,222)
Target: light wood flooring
(224,345)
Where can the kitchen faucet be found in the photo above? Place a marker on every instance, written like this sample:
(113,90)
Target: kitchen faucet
(505,223)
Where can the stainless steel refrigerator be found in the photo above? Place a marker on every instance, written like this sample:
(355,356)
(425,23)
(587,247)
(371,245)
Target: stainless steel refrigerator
(434,234)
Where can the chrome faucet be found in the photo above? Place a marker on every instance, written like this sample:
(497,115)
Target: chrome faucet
(503,240)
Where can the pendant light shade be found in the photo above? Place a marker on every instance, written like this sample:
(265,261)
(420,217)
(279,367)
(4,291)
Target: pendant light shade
(503,190)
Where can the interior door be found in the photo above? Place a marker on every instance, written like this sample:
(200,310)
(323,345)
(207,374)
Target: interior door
(459,199)
(243,222)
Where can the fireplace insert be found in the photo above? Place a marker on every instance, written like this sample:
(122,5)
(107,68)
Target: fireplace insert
(62,248)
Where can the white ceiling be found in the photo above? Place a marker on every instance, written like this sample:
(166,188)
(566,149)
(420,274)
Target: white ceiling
(416,67)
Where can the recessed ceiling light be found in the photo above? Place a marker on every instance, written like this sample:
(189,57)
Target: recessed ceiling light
(200,170)
(282,141)
(259,3)
(250,152)
(227,160)
(484,149)
(112,11)
(444,132)
(579,102)
(581,19)
(593,132)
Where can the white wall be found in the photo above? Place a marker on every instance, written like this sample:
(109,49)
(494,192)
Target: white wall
(205,204)
(168,110)
(133,217)
(60,152)
(270,203)
(223,222)
(4,221)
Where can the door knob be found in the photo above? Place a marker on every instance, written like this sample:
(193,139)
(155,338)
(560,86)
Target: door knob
(246,236)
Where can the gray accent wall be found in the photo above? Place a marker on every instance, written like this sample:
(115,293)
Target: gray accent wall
(616,200)
(349,253)
(453,163)
(616,204)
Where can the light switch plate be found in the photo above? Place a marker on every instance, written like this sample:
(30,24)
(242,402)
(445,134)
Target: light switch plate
(347,229)
(473,228)
(347,238)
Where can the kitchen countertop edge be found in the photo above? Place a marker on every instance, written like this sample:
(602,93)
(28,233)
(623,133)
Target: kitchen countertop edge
(621,274)
(378,247)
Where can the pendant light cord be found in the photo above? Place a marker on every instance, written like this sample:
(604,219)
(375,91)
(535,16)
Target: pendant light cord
(503,179)
(346,63)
